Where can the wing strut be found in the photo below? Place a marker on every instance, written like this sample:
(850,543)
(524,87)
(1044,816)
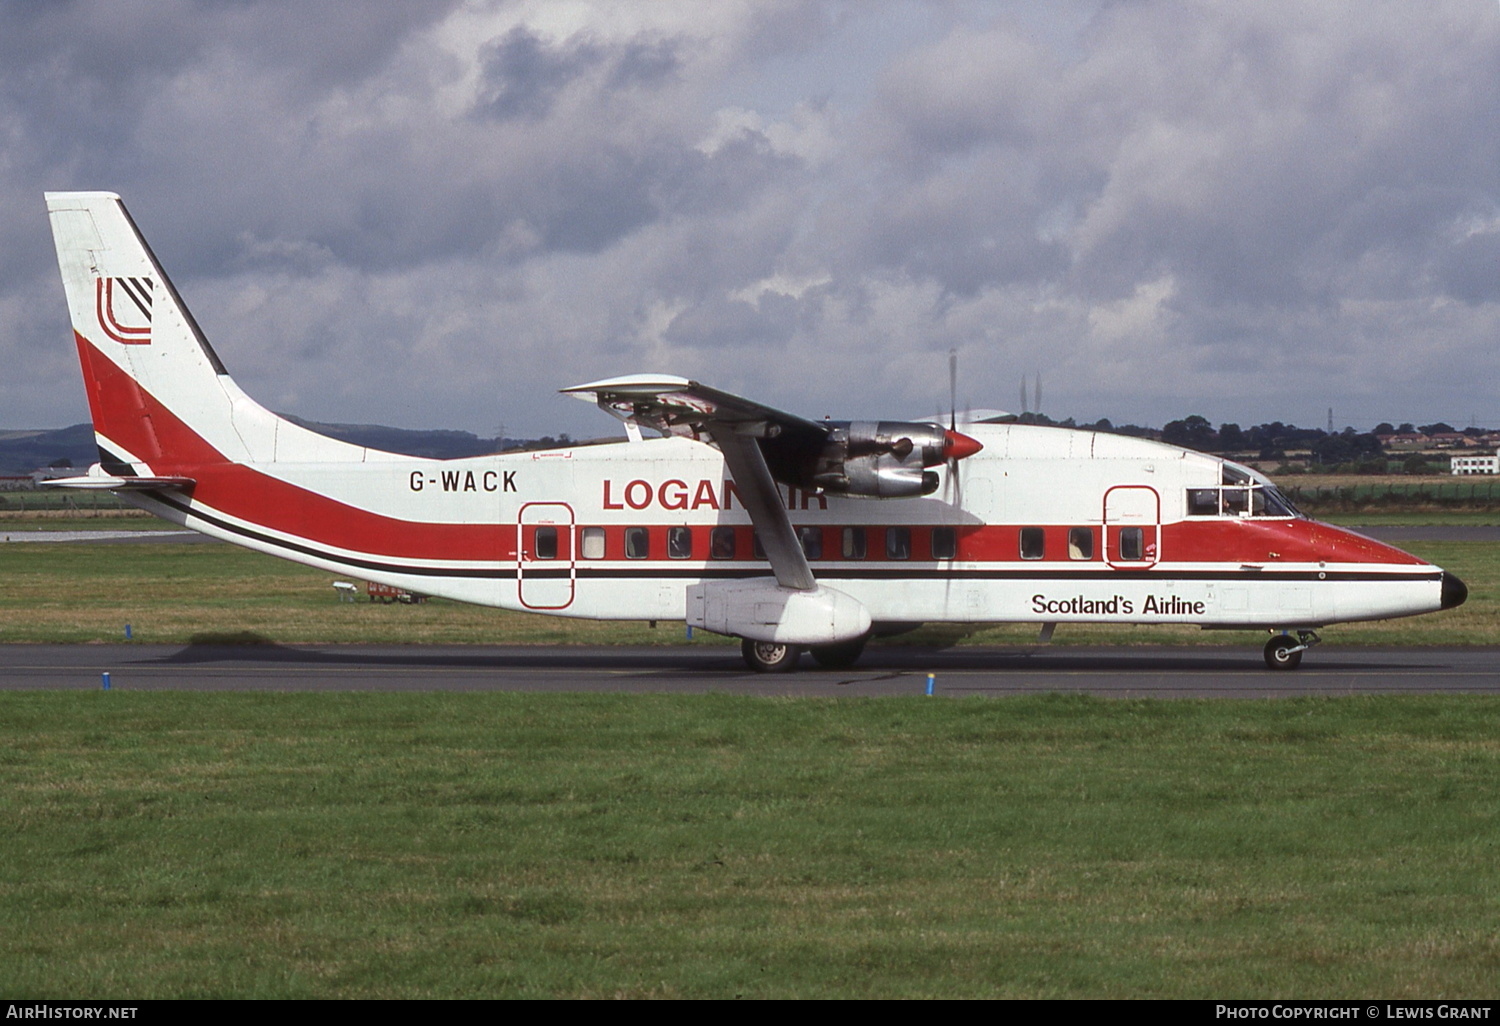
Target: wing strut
(752,480)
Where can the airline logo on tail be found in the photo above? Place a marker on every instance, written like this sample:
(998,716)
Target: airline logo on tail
(124,306)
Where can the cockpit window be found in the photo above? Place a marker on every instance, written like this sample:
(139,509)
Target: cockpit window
(1245,493)
(1203,502)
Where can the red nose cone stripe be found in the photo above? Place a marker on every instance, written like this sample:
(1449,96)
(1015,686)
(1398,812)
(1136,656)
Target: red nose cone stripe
(957,446)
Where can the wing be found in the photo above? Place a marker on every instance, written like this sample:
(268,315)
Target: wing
(736,425)
(672,405)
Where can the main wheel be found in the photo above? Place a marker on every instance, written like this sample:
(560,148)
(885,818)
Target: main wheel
(769,656)
(840,656)
(1279,654)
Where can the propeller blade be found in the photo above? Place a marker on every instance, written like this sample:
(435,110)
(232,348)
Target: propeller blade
(953,390)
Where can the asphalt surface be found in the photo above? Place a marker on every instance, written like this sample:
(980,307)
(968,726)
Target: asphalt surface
(896,670)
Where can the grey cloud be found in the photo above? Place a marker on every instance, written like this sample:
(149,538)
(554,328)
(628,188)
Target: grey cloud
(1186,196)
(1469,269)
(525,74)
(728,323)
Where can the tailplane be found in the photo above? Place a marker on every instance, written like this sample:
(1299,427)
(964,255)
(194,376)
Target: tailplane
(158,394)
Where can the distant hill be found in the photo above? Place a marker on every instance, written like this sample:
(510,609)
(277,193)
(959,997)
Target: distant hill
(435,445)
(23,451)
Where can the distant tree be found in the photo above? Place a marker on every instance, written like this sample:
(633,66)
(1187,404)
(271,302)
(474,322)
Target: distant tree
(1192,432)
(1416,465)
(1436,429)
(1231,438)
(1384,428)
(1406,429)
(1332,450)
(61,464)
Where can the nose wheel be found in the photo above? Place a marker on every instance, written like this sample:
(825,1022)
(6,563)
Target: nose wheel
(1284,652)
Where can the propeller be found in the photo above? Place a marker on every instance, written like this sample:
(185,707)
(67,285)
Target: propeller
(956,446)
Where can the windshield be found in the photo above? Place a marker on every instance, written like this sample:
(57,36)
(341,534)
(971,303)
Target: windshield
(1242,493)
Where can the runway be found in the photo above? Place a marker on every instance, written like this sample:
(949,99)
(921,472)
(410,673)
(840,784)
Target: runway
(896,670)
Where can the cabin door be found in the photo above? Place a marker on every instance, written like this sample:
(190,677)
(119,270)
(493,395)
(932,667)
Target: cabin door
(545,565)
(1132,526)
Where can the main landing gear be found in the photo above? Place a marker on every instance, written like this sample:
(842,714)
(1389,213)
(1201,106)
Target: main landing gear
(770,656)
(774,657)
(1283,652)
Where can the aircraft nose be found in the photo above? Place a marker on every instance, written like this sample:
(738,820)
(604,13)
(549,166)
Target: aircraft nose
(1454,591)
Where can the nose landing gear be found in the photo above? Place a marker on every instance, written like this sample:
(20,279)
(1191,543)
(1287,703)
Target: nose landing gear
(1283,652)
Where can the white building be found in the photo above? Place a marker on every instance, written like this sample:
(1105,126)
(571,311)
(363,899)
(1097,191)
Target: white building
(1465,465)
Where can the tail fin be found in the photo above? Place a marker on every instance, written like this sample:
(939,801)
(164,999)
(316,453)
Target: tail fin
(158,393)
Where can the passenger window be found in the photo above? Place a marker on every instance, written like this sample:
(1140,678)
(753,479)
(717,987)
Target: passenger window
(1080,543)
(721,543)
(1235,501)
(679,542)
(1203,502)
(1033,543)
(812,541)
(637,543)
(545,545)
(898,543)
(944,543)
(1132,542)
(854,543)
(592,546)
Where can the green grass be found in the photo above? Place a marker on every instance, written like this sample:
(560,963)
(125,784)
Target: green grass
(1415,518)
(180,593)
(511,845)
(174,593)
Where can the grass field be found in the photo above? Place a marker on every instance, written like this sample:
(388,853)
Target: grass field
(515,845)
(180,593)
(506,845)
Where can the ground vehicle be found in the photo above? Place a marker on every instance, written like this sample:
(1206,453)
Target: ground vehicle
(741,519)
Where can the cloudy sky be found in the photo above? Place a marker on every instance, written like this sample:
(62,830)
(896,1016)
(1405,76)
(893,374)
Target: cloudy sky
(435,214)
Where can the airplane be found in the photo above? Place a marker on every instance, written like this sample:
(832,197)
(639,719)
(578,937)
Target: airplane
(788,533)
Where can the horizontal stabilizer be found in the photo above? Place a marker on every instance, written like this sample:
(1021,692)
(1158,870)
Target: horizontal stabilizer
(97,480)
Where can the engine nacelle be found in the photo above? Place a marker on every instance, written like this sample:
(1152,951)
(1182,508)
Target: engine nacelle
(762,610)
(884,459)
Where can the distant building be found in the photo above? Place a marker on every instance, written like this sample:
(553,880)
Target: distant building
(1407,441)
(1449,439)
(1465,465)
